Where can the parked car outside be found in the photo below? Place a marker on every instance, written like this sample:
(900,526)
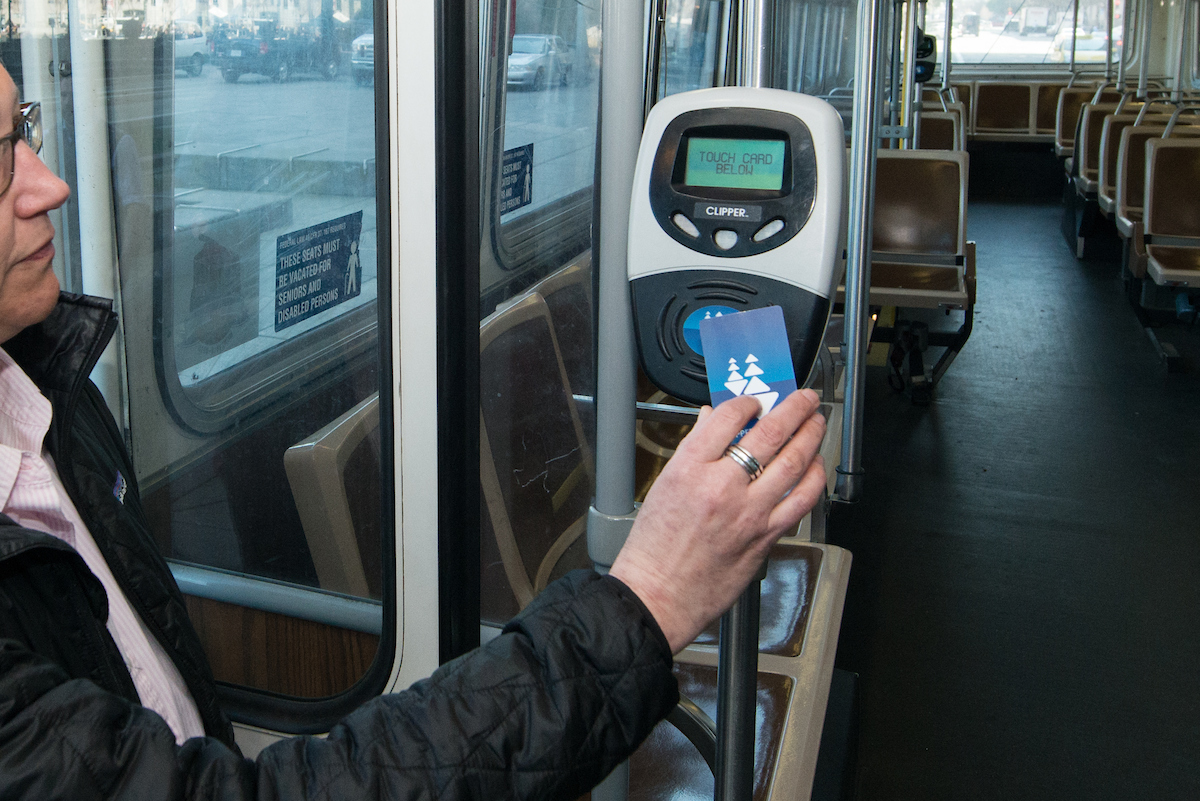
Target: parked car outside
(1089,47)
(538,59)
(191,47)
(261,47)
(362,58)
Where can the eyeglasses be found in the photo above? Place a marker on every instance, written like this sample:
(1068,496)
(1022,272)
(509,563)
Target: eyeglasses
(28,128)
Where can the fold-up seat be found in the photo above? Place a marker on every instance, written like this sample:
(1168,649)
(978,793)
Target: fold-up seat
(920,255)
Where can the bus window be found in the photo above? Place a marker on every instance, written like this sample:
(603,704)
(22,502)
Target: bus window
(691,45)
(1041,33)
(536,371)
(242,160)
(540,70)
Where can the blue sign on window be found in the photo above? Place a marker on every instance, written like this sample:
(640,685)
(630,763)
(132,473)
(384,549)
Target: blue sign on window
(316,268)
(516,178)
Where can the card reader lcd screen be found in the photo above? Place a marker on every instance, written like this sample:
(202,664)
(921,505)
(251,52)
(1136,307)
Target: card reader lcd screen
(735,163)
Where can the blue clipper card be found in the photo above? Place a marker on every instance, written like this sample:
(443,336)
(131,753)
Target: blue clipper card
(747,353)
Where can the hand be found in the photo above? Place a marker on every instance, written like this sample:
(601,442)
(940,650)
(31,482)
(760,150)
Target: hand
(705,528)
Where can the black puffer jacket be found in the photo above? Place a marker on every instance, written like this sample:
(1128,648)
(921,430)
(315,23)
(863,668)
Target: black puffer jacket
(544,711)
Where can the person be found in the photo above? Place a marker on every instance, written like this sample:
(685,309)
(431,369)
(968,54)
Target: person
(106,693)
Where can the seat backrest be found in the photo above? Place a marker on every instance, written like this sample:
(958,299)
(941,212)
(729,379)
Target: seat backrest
(940,131)
(1087,149)
(920,202)
(1110,148)
(1173,175)
(535,464)
(1070,103)
(1046,111)
(324,471)
(1129,184)
(965,94)
(568,295)
(1002,107)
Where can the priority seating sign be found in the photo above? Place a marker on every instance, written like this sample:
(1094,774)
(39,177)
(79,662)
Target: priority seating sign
(317,268)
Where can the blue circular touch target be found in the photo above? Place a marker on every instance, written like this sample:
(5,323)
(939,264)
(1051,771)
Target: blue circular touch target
(691,326)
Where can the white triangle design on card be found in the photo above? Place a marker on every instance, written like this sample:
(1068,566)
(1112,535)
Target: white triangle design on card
(757,386)
(766,400)
(736,387)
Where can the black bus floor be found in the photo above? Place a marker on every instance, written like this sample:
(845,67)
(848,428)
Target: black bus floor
(1024,605)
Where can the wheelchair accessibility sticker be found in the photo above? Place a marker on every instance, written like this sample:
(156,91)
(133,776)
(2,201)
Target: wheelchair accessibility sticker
(316,268)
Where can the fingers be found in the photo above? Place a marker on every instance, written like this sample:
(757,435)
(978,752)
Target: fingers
(793,459)
(800,501)
(771,432)
(713,432)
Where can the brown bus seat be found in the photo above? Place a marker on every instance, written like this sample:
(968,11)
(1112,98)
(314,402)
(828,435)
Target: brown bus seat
(535,465)
(1087,149)
(1015,110)
(568,295)
(320,471)
(1130,181)
(1110,149)
(1070,102)
(1046,107)
(1172,227)
(940,130)
(919,243)
(1002,108)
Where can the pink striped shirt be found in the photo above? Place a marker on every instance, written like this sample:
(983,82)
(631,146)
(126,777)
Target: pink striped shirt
(32,495)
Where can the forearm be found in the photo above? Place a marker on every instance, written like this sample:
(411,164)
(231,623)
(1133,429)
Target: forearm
(542,712)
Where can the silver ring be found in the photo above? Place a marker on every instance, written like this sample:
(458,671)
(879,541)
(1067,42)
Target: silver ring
(743,457)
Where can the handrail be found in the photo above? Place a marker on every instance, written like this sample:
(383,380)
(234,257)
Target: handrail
(1192,107)
(1100,90)
(1147,104)
(1124,99)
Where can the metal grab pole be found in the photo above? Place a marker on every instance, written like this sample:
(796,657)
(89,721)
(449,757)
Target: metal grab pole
(1124,39)
(946,44)
(894,85)
(1177,90)
(737,696)
(1108,48)
(908,71)
(1074,32)
(1144,51)
(864,144)
(737,665)
(621,109)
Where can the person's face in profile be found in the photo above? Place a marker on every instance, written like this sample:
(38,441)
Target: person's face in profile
(28,286)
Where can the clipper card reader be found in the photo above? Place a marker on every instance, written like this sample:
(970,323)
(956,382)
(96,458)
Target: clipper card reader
(737,205)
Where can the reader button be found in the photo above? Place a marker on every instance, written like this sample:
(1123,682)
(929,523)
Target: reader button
(725,238)
(769,230)
(685,225)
